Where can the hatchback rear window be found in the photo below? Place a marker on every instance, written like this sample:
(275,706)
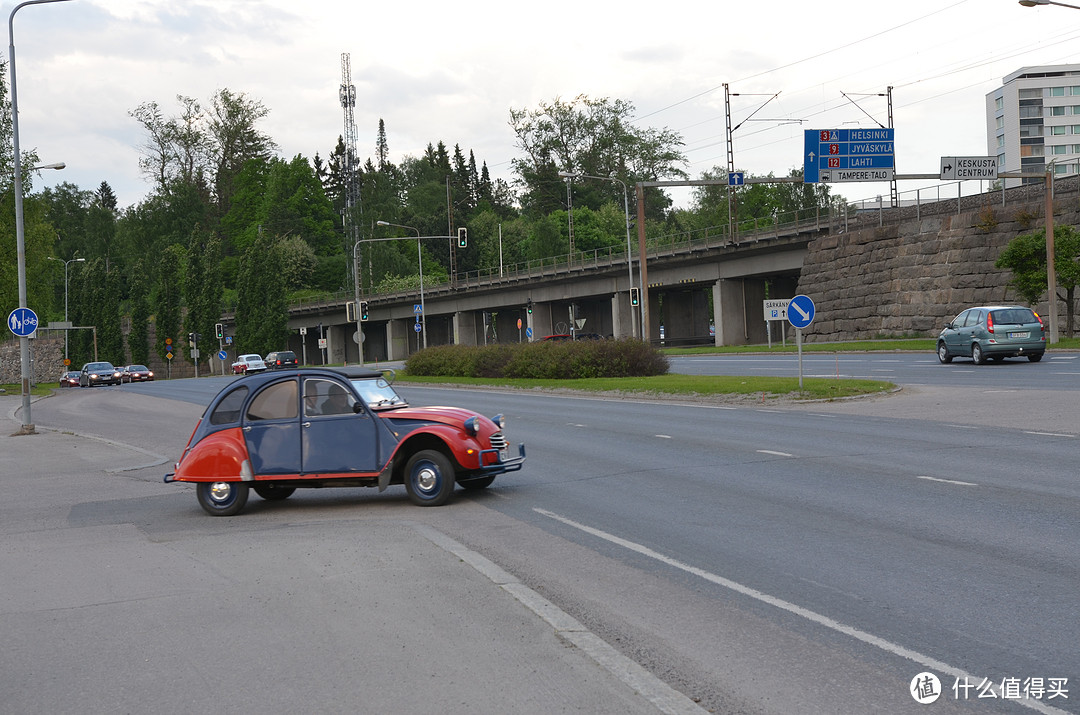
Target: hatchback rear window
(1017,316)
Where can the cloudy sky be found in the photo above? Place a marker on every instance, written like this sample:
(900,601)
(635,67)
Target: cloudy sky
(451,72)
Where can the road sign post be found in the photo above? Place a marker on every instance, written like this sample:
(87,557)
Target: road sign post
(800,313)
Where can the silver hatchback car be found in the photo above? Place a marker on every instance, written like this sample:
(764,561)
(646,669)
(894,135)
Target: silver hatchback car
(993,332)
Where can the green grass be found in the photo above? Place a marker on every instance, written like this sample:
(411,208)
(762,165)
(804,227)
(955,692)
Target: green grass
(684,385)
(42,388)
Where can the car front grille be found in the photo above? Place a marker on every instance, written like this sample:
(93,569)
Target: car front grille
(498,441)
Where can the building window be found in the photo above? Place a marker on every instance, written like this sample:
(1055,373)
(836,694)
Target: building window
(1001,140)
(1057,91)
(1032,130)
(1001,122)
(1001,161)
(1055,111)
(1024,94)
(1074,91)
(1028,112)
(999,103)
(1057,131)
(1031,150)
(1075,109)
(1062,168)
(1059,149)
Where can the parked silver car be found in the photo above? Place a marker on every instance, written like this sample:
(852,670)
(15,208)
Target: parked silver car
(993,332)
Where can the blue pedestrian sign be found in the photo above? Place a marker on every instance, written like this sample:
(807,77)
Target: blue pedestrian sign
(800,311)
(23,322)
(417,308)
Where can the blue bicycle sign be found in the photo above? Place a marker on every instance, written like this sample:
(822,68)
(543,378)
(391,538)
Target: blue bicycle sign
(23,322)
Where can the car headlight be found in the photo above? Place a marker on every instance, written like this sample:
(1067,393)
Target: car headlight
(472,426)
(499,420)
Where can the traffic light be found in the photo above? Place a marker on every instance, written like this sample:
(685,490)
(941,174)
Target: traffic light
(635,297)
(462,237)
(363,310)
(350,311)
(528,306)
(219,330)
(191,338)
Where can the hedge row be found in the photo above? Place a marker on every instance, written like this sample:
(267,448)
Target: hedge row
(552,360)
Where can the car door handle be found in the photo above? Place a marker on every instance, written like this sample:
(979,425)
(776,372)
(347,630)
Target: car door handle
(305,424)
(246,428)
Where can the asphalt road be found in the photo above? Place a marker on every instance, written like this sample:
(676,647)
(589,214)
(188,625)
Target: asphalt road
(757,559)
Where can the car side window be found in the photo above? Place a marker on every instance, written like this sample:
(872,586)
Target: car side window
(326,397)
(973,318)
(274,402)
(958,321)
(228,410)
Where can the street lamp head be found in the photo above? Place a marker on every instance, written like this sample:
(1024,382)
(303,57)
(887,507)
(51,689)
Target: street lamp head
(568,174)
(58,165)
(1033,3)
(382,223)
(79,260)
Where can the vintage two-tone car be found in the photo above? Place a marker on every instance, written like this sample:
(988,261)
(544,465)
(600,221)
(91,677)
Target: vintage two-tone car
(278,431)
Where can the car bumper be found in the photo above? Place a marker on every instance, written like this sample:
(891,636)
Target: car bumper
(501,467)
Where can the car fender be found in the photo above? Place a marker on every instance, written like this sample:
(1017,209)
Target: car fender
(462,448)
(221,456)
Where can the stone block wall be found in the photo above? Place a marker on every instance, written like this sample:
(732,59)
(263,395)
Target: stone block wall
(916,270)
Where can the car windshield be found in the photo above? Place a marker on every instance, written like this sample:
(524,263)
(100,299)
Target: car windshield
(100,366)
(137,368)
(377,392)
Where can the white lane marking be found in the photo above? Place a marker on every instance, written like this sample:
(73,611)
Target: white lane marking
(814,617)
(778,454)
(663,436)
(1049,434)
(949,481)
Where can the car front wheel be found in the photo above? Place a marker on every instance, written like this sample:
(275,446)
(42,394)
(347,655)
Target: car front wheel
(429,478)
(222,498)
(943,355)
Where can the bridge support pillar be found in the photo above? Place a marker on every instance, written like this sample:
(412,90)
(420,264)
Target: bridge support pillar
(729,312)
(465,330)
(622,316)
(398,335)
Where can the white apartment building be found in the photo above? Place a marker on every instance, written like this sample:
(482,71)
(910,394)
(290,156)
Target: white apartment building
(1033,121)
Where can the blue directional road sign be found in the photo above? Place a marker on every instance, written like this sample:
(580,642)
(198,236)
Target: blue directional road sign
(222,355)
(23,322)
(800,311)
(838,155)
(417,327)
(736,178)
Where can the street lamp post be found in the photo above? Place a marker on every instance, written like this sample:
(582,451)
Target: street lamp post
(420,258)
(20,235)
(67,328)
(629,255)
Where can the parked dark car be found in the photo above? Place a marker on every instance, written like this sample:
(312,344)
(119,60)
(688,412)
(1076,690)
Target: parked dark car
(281,360)
(136,373)
(336,427)
(993,332)
(99,373)
(69,378)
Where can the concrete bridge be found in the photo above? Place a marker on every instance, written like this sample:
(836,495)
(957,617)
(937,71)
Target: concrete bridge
(695,283)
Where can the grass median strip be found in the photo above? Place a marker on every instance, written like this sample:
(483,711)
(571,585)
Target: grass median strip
(682,385)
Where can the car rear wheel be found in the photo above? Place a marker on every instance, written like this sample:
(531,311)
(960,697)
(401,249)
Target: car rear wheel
(943,355)
(1035,357)
(429,478)
(222,498)
(977,354)
(269,492)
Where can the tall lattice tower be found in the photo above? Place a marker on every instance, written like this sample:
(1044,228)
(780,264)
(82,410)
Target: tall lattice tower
(351,185)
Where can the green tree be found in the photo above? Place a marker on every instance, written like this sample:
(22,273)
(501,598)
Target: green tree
(138,339)
(596,137)
(1025,256)
(203,289)
(262,310)
(167,301)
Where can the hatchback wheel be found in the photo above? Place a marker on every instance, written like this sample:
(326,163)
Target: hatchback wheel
(943,355)
(977,354)
(1035,357)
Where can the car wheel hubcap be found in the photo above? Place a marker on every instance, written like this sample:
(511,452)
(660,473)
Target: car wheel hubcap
(220,492)
(426,478)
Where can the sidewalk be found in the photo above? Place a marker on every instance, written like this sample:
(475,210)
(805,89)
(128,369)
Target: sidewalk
(119,595)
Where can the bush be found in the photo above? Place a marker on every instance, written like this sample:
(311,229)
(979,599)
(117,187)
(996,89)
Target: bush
(552,360)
